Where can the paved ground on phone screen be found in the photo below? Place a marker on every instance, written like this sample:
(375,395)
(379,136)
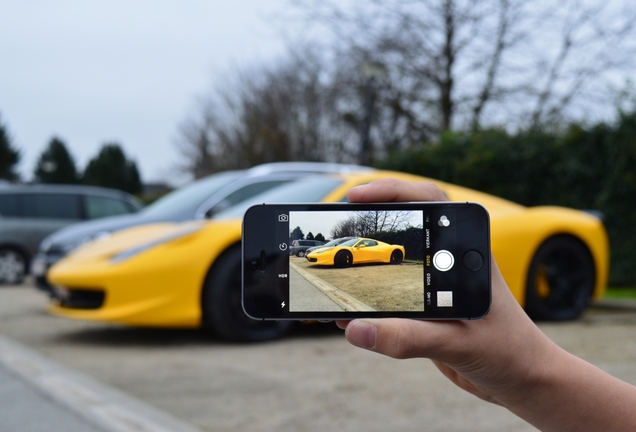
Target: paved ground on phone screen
(310,381)
(384,287)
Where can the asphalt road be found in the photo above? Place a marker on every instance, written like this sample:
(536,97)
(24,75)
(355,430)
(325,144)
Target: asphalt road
(307,297)
(310,381)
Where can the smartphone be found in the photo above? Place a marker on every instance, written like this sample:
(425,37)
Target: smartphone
(345,261)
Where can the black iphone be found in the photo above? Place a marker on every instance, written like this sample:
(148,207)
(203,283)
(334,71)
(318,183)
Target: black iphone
(344,261)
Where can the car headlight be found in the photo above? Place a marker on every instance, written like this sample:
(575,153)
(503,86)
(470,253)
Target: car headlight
(129,253)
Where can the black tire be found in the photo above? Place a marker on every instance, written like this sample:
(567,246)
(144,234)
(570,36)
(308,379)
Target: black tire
(13,266)
(300,254)
(221,304)
(560,281)
(343,259)
(397,257)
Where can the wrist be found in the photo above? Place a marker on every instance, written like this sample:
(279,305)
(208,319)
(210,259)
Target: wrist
(569,394)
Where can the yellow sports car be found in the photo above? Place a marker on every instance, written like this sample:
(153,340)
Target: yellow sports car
(357,251)
(189,274)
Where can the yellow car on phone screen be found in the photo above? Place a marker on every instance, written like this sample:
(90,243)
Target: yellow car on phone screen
(189,274)
(357,251)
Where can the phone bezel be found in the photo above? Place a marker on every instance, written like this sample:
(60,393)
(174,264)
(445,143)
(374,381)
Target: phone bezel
(261,300)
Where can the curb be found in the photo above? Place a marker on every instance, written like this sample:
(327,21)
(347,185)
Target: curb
(341,298)
(615,303)
(99,404)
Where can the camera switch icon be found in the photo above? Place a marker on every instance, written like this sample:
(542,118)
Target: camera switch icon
(283,218)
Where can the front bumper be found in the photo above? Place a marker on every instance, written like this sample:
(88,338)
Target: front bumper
(40,266)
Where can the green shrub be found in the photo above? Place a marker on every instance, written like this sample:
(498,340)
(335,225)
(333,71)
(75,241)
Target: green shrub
(587,168)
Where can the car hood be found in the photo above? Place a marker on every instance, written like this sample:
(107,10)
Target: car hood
(151,247)
(134,238)
(322,249)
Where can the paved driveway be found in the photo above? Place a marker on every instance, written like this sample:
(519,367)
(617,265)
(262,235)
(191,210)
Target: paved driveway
(310,381)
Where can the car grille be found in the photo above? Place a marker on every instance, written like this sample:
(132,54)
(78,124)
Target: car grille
(311,259)
(80,298)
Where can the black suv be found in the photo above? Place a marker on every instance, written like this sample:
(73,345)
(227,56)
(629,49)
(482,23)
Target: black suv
(28,213)
(298,247)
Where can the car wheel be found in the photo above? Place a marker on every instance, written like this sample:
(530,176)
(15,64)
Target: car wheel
(13,266)
(343,259)
(221,304)
(300,254)
(560,281)
(397,257)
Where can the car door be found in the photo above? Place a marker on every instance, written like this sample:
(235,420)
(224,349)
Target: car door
(44,213)
(367,251)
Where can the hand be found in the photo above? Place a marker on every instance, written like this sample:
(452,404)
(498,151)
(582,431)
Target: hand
(502,358)
(480,356)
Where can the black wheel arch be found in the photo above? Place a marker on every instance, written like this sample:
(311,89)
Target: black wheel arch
(562,239)
(568,237)
(221,309)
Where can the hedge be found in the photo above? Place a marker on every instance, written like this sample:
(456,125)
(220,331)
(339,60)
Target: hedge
(587,168)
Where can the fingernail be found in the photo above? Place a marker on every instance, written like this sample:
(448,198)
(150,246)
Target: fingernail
(361,334)
(362,186)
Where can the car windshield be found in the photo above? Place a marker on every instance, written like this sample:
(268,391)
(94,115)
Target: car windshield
(190,197)
(310,189)
(350,242)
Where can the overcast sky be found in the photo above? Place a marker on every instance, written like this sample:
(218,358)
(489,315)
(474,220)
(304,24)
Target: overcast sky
(98,71)
(324,222)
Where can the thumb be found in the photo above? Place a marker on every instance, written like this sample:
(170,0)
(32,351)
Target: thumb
(402,338)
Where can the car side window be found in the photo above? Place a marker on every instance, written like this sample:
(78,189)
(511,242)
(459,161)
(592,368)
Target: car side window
(98,207)
(9,205)
(52,206)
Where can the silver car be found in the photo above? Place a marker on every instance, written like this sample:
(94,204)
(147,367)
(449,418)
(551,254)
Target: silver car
(201,199)
(29,213)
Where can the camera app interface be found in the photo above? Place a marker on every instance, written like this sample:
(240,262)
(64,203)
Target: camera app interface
(365,261)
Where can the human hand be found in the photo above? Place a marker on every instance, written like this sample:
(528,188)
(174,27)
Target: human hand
(502,358)
(491,357)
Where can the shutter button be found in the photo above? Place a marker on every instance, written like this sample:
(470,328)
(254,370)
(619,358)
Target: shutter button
(443,260)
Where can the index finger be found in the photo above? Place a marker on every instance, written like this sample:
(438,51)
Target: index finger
(393,190)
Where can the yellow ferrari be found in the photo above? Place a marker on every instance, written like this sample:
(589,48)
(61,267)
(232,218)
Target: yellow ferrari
(357,251)
(189,274)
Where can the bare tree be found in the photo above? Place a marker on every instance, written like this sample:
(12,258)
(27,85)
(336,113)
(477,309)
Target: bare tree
(283,113)
(459,64)
(450,65)
(368,223)
(345,228)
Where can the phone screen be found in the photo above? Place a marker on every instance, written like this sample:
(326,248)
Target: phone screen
(333,261)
